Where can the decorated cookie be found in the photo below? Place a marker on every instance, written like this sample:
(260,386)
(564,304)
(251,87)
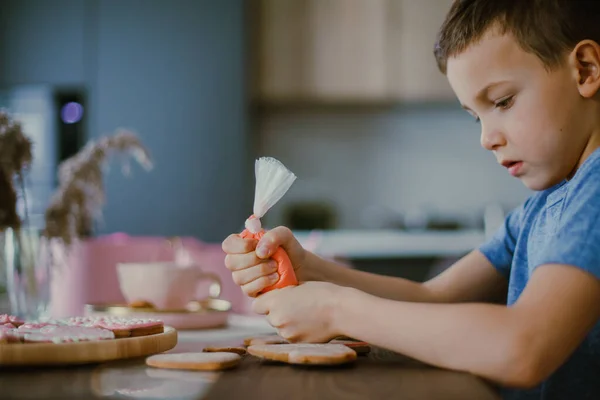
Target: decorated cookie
(124,327)
(9,334)
(121,327)
(141,304)
(237,350)
(10,319)
(67,334)
(34,327)
(265,339)
(305,353)
(358,347)
(195,361)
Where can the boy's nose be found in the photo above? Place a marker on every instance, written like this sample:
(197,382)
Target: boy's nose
(492,139)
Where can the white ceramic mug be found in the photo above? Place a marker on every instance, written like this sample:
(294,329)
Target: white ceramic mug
(167,285)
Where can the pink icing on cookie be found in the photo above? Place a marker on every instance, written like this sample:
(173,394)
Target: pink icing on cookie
(6,319)
(80,321)
(128,323)
(66,334)
(7,327)
(33,327)
(9,334)
(115,323)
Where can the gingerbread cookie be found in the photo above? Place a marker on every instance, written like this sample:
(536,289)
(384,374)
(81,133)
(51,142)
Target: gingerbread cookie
(305,353)
(68,334)
(237,350)
(121,327)
(141,304)
(195,361)
(265,339)
(358,347)
(131,327)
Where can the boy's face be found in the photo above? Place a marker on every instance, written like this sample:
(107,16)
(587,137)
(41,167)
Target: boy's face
(531,118)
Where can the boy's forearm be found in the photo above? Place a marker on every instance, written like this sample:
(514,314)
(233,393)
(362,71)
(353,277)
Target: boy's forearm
(476,338)
(378,285)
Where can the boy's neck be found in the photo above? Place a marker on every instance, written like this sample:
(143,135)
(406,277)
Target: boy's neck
(592,145)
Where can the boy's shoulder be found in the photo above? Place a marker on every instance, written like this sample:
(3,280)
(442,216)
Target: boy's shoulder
(582,190)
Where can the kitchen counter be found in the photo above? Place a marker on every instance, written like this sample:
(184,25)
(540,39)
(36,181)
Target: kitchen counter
(371,244)
(380,375)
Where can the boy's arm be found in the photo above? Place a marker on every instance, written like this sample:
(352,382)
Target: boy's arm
(516,346)
(472,278)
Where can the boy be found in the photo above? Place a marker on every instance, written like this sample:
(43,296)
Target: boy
(529,72)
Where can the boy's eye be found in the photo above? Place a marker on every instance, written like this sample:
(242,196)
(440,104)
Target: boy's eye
(505,103)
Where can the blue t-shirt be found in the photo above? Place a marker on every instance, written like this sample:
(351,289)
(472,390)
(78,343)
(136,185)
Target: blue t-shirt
(560,225)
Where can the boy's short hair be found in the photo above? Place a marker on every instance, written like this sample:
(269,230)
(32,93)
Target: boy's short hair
(547,28)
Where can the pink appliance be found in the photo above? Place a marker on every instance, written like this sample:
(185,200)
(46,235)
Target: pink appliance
(87,274)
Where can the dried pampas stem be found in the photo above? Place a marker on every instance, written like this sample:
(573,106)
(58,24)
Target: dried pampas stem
(80,196)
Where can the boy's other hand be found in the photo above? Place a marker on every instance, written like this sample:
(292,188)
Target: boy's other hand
(303,313)
(249,259)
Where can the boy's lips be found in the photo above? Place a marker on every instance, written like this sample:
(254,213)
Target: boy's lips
(514,167)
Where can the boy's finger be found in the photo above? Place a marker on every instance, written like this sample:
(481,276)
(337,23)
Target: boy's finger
(235,244)
(237,262)
(256,286)
(260,305)
(279,236)
(263,303)
(248,275)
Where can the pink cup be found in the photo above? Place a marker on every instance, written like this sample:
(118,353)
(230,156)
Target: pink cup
(87,274)
(167,285)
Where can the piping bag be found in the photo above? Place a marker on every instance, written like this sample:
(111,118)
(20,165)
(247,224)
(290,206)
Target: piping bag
(273,180)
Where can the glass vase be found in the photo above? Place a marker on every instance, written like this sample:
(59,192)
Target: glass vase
(27,273)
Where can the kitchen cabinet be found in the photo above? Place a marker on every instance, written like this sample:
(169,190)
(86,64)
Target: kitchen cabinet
(346,51)
(414,74)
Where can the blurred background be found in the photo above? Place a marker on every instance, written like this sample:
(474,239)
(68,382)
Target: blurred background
(345,93)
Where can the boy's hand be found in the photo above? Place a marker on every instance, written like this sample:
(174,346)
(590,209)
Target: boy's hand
(303,313)
(249,263)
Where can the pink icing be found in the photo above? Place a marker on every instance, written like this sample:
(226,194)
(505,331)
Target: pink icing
(6,319)
(7,327)
(33,327)
(128,323)
(114,322)
(74,329)
(66,334)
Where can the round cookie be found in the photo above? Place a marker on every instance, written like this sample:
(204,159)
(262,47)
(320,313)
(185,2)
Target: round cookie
(67,334)
(121,327)
(33,327)
(358,347)
(195,361)
(131,327)
(141,304)
(265,339)
(305,353)
(237,350)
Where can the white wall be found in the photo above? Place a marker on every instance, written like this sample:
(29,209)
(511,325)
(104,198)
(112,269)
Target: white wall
(402,159)
(171,70)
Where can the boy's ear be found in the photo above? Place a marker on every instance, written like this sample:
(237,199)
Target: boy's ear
(585,59)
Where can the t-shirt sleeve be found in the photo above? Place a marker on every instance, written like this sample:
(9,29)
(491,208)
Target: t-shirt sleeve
(499,249)
(576,240)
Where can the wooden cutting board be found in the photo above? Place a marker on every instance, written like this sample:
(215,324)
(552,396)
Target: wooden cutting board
(86,352)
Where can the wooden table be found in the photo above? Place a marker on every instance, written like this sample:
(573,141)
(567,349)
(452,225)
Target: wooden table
(379,375)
